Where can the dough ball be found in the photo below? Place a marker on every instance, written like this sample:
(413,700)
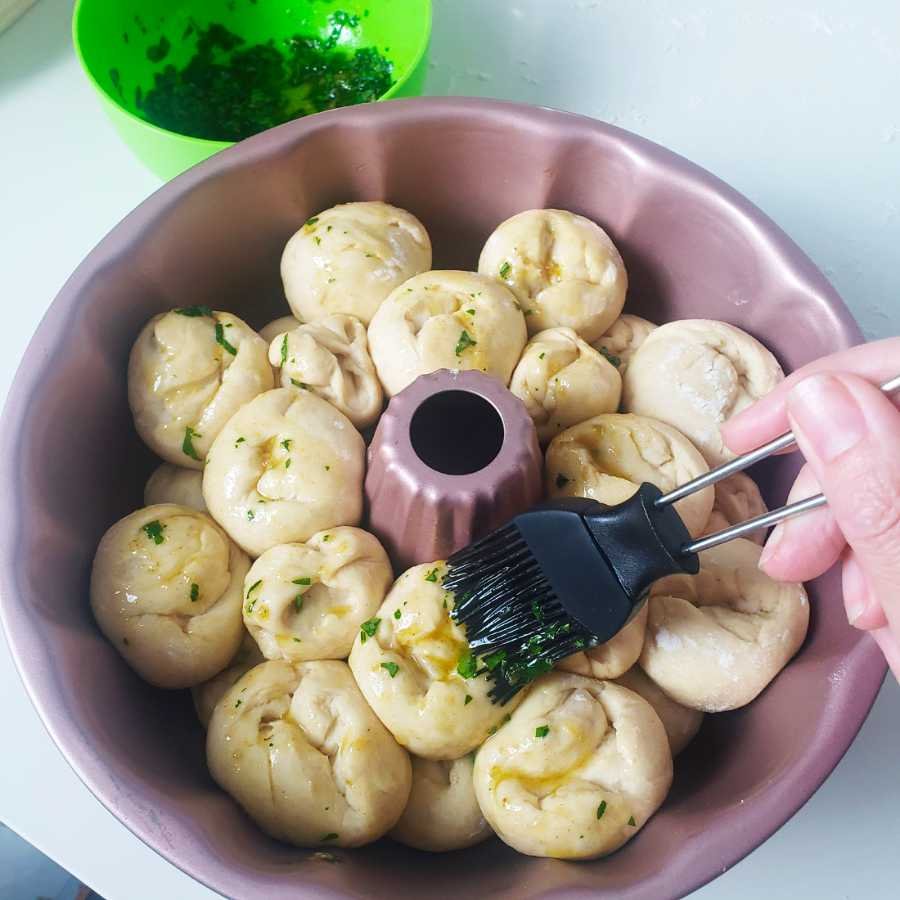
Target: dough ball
(622,340)
(616,656)
(166,591)
(299,749)
(173,484)
(189,371)
(347,259)
(563,381)
(406,660)
(330,357)
(563,268)
(578,770)
(288,464)
(442,812)
(681,722)
(696,374)
(307,601)
(446,320)
(208,694)
(278,326)
(716,639)
(737,500)
(608,457)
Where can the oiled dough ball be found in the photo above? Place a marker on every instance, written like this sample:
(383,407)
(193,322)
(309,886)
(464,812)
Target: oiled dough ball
(563,268)
(442,812)
(737,500)
(696,374)
(299,749)
(623,339)
(278,326)
(608,457)
(208,694)
(347,259)
(579,769)
(616,656)
(189,371)
(716,639)
(330,357)
(446,320)
(408,669)
(174,484)
(563,381)
(307,601)
(681,722)
(166,591)
(288,464)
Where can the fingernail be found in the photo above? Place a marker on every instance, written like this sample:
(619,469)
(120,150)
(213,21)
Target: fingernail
(854,611)
(771,548)
(827,414)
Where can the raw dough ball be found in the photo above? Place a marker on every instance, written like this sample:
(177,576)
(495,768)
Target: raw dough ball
(189,371)
(166,591)
(681,722)
(696,374)
(278,326)
(616,656)
(608,457)
(716,639)
(208,694)
(737,500)
(288,464)
(446,320)
(563,268)
(622,340)
(442,812)
(407,667)
(577,771)
(563,381)
(173,484)
(347,259)
(299,749)
(307,601)
(331,358)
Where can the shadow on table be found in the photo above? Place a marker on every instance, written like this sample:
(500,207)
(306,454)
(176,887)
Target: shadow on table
(35,41)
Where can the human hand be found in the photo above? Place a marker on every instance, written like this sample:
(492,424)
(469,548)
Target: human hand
(849,433)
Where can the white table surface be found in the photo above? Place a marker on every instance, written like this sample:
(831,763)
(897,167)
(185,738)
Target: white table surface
(796,104)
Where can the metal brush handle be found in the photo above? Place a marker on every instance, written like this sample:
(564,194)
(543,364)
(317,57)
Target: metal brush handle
(738,464)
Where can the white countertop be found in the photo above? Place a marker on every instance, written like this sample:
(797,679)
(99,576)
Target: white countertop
(794,103)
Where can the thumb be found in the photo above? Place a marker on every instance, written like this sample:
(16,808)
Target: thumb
(849,432)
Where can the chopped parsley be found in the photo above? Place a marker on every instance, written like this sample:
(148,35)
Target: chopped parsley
(284,350)
(396,613)
(368,629)
(601,809)
(195,312)
(287,463)
(542,731)
(154,531)
(542,356)
(222,341)
(467,666)
(331,836)
(311,221)
(392,668)
(318,241)
(195,592)
(505,269)
(615,360)
(286,443)
(239,441)
(300,384)
(249,607)
(470,312)
(536,611)
(298,604)
(238,703)
(561,480)
(465,341)
(326,537)
(253,587)
(187,445)
(304,581)
(250,515)
(631,822)
(468,700)
(432,575)
(492,660)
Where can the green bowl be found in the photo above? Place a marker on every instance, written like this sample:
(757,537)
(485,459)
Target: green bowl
(112,38)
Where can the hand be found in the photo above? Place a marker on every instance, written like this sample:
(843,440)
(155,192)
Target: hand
(849,433)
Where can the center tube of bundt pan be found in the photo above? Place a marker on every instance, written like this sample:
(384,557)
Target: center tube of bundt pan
(454,457)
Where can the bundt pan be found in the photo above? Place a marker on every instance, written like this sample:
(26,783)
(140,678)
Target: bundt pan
(71,463)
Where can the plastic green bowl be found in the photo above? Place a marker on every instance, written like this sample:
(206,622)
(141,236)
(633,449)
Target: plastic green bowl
(112,38)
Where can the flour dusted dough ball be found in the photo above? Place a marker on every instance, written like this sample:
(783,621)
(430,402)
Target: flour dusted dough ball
(563,268)
(408,670)
(563,381)
(173,484)
(681,722)
(608,457)
(166,591)
(208,694)
(442,812)
(279,326)
(623,339)
(716,639)
(737,500)
(299,749)
(616,656)
(577,771)
(446,320)
(189,371)
(696,374)
(331,358)
(347,259)
(288,464)
(307,601)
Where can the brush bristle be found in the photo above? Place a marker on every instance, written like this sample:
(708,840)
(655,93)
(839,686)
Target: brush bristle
(514,622)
